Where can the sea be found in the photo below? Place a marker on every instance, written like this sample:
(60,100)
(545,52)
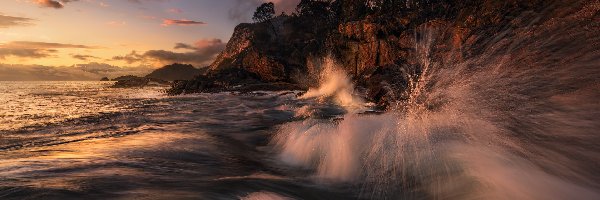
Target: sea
(88,140)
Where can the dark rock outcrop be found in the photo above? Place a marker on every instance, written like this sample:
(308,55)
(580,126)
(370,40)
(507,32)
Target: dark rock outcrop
(231,79)
(104,79)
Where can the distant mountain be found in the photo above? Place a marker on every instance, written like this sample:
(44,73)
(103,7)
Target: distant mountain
(126,77)
(175,72)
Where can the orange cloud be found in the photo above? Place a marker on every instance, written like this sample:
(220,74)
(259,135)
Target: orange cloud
(28,49)
(53,3)
(8,21)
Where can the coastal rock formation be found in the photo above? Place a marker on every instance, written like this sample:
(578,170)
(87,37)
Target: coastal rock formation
(382,44)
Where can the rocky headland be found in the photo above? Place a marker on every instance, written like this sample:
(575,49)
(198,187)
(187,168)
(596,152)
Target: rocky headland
(382,44)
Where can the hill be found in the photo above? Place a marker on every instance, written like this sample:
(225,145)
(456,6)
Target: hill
(175,71)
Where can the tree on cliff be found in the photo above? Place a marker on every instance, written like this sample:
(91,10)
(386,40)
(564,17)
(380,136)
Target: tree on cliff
(313,8)
(264,12)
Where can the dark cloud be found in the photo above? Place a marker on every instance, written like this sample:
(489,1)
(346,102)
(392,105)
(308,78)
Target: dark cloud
(81,72)
(181,22)
(27,49)
(43,45)
(207,45)
(84,57)
(243,9)
(200,53)
(57,4)
(175,57)
(8,21)
(25,53)
(184,46)
(130,58)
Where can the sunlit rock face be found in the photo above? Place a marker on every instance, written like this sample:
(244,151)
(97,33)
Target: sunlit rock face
(238,43)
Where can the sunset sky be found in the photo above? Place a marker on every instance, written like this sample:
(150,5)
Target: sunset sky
(123,33)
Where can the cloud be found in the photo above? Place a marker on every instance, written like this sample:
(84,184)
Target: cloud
(203,45)
(8,21)
(181,22)
(130,58)
(25,53)
(57,4)
(28,49)
(175,10)
(84,57)
(243,9)
(200,53)
(43,45)
(80,72)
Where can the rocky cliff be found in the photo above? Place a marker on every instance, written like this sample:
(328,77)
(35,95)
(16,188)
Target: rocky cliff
(382,44)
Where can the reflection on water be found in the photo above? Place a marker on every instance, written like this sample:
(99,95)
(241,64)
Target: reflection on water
(34,103)
(136,143)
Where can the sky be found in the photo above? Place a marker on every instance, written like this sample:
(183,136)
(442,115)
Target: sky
(133,34)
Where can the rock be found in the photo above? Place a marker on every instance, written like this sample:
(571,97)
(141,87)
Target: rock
(104,79)
(232,79)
